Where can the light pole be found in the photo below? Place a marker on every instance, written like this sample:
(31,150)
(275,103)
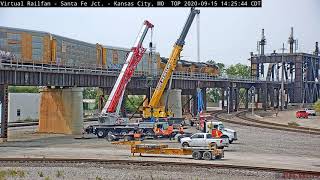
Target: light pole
(228,100)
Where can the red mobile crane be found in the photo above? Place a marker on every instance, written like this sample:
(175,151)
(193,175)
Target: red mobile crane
(109,119)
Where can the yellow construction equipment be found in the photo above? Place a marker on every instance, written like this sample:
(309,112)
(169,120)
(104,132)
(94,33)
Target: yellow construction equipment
(154,109)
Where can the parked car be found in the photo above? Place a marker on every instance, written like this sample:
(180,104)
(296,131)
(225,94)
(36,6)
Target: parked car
(302,114)
(204,140)
(310,111)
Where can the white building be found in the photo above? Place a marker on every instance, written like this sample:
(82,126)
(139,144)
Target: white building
(23,106)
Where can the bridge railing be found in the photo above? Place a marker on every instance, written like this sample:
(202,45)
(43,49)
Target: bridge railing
(56,67)
(6,63)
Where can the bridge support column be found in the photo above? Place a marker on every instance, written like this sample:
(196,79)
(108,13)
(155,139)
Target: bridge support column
(258,92)
(246,103)
(195,102)
(271,95)
(236,98)
(222,98)
(61,111)
(204,96)
(230,99)
(277,98)
(4,112)
(264,95)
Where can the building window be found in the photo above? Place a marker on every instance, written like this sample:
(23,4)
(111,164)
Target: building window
(18,112)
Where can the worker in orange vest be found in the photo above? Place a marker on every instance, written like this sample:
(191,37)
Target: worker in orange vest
(216,133)
(170,131)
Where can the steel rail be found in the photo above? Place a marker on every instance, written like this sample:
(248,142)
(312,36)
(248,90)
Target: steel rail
(257,123)
(160,163)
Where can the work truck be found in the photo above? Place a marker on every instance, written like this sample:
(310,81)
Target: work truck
(204,139)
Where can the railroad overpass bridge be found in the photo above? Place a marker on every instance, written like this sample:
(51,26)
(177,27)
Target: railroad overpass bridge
(19,74)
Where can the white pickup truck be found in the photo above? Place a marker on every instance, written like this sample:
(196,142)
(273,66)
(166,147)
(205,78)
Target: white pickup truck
(232,134)
(204,140)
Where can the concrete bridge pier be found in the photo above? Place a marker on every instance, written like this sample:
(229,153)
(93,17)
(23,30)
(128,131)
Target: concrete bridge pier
(61,111)
(4,112)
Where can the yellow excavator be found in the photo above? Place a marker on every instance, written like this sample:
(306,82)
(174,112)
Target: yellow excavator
(154,109)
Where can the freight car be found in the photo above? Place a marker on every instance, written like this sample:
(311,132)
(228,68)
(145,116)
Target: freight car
(29,46)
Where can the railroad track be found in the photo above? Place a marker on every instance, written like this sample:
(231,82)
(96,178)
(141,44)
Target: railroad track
(57,161)
(26,124)
(246,121)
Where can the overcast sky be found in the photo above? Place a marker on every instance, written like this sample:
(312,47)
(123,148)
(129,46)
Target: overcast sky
(227,34)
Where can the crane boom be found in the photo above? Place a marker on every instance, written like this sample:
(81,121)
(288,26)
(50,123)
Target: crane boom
(169,68)
(153,109)
(133,58)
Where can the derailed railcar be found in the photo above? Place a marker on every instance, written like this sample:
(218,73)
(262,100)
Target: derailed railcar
(30,46)
(26,45)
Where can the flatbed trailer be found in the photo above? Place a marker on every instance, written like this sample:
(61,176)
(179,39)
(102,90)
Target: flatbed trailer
(207,153)
(103,131)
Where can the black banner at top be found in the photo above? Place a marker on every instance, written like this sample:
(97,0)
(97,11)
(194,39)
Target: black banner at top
(132,3)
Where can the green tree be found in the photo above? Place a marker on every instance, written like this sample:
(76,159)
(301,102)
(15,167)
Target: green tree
(239,71)
(23,89)
(214,94)
(90,93)
(132,103)
(316,106)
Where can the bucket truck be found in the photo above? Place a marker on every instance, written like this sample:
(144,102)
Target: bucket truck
(109,120)
(154,110)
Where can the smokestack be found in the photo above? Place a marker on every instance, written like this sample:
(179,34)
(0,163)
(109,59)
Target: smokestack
(316,51)
(262,42)
(291,41)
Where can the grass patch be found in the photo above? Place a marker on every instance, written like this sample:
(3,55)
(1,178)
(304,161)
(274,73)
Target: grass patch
(47,178)
(3,174)
(21,173)
(40,173)
(59,174)
(293,124)
(11,173)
